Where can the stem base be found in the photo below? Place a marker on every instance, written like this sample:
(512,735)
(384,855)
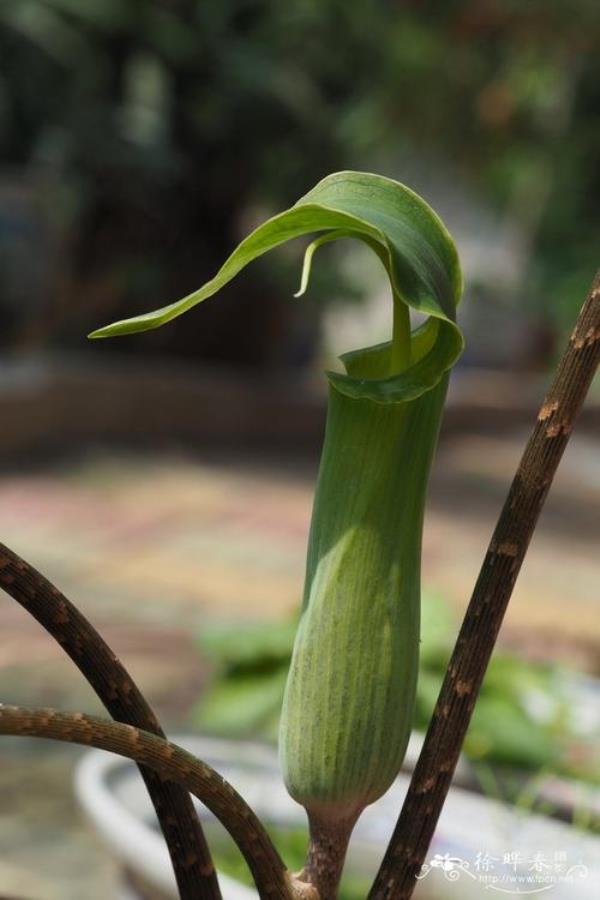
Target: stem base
(326,854)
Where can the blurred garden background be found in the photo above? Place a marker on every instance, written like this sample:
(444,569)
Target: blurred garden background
(164,481)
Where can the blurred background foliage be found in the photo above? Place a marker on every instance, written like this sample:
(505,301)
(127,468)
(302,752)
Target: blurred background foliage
(148,135)
(524,719)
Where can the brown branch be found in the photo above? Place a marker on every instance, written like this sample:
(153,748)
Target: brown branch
(192,863)
(432,776)
(170,762)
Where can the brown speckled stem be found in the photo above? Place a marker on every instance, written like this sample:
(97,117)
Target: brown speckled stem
(171,763)
(432,776)
(192,863)
(326,854)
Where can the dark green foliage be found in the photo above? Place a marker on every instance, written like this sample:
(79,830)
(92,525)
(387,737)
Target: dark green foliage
(166,124)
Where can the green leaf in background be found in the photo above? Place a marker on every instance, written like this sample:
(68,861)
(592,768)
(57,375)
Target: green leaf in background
(255,646)
(245,704)
(438,627)
(252,661)
(501,729)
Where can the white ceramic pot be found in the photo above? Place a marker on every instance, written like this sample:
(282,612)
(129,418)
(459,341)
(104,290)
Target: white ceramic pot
(481,846)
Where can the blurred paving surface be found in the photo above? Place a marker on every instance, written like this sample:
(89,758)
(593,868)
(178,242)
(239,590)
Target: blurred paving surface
(149,548)
(47,852)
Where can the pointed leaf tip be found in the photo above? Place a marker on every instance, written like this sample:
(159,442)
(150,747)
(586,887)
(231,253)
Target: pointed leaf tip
(310,252)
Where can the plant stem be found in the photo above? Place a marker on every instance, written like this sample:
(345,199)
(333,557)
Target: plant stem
(400,357)
(174,764)
(432,776)
(326,854)
(192,863)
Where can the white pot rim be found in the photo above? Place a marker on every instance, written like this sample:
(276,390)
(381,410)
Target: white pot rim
(469,823)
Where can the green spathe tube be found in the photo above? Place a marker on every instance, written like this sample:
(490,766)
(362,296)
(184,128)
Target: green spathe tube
(350,693)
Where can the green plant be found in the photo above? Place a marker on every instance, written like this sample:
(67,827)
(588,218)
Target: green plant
(350,691)
(251,662)
(352,677)
(139,108)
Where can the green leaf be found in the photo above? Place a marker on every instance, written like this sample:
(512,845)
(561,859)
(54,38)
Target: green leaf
(502,731)
(242,705)
(257,646)
(414,246)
